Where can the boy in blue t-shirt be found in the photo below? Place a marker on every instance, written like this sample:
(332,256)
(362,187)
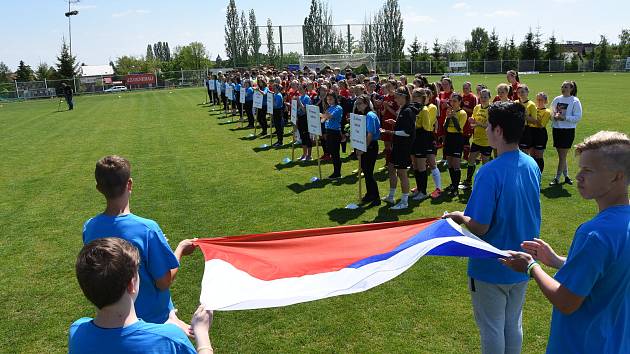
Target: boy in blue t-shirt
(504,210)
(159,264)
(107,272)
(590,292)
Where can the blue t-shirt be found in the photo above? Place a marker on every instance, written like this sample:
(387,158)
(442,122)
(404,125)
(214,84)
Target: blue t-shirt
(140,337)
(152,304)
(334,122)
(277,101)
(373,125)
(306,100)
(249,94)
(598,269)
(505,196)
(265,91)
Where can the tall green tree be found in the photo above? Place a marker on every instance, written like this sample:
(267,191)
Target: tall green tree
(367,36)
(530,47)
(319,36)
(231,31)
(4,72)
(477,47)
(493,52)
(66,64)
(414,49)
(603,54)
(392,23)
(271,43)
(552,49)
(245,38)
(23,72)
(624,43)
(44,71)
(437,50)
(254,36)
(149,55)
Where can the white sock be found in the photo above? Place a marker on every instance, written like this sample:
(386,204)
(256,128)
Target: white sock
(392,193)
(437,179)
(405,198)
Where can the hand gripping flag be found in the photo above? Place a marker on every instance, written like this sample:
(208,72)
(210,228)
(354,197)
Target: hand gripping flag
(289,267)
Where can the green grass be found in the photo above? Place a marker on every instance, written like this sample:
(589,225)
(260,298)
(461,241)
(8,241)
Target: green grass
(196,178)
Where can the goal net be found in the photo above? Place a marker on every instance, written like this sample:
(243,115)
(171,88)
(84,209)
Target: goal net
(341,61)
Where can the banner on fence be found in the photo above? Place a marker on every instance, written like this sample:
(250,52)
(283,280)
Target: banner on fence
(140,79)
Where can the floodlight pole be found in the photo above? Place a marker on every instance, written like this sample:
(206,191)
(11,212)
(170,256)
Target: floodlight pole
(68,15)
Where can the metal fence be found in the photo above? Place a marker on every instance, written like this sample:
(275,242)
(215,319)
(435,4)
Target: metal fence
(187,78)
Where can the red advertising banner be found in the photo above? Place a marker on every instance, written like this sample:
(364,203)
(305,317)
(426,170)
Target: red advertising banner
(140,79)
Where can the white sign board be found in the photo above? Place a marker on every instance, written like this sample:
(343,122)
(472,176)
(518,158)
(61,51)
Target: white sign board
(212,85)
(243,93)
(270,102)
(314,122)
(229,91)
(358,133)
(258,98)
(457,64)
(294,112)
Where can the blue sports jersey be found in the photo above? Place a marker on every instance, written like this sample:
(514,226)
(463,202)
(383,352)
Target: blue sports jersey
(373,125)
(505,196)
(334,122)
(306,100)
(278,102)
(249,94)
(152,304)
(140,337)
(598,269)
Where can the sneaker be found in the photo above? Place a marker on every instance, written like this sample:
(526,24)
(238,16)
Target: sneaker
(400,206)
(554,182)
(452,190)
(334,176)
(436,193)
(389,200)
(326,157)
(420,197)
(375,202)
(414,191)
(277,144)
(307,158)
(568,180)
(465,185)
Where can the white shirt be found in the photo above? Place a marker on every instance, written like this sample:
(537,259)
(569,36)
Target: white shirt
(570,108)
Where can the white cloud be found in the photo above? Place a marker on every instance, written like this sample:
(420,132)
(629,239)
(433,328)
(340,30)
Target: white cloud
(565,1)
(471,14)
(502,13)
(130,12)
(460,6)
(83,7)
(412,17)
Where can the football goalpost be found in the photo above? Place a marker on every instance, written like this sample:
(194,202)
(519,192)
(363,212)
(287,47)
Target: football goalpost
(341,61)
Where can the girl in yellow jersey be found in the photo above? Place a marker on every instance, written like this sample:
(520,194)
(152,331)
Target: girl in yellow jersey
(424,134)
(431,147)
(480,143)
(456,117)
(530,118)
(539,130)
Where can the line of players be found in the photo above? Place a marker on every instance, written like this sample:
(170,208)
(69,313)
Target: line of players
(444,119)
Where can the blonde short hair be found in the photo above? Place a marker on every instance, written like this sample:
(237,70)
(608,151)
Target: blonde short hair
(614,148)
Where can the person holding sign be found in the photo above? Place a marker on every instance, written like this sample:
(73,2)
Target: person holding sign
(368,158)
(248,106)
(237,97)
(278,120)
(402,142)
(332,123)
(261,112)
(302,124)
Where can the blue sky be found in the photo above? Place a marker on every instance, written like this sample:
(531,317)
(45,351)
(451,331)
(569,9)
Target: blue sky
(106,29)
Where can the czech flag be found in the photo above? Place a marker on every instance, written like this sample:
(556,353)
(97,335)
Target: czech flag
(289,267)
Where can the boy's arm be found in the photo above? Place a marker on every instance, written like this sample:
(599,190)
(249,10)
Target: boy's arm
(559,296)
(472,225)
(184,248)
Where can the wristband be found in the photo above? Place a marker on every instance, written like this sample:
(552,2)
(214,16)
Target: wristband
(208,347)
(530,267)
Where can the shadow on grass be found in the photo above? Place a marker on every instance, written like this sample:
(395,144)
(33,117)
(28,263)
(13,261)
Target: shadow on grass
(321,183)
(249,137)
(282,166)
(239,129)
(228,122)
(554,192)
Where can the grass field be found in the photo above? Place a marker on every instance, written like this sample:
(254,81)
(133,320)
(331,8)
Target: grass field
(197,177)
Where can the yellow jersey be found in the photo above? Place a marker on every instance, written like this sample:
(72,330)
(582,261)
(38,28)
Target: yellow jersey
(432,116)
(543,115)
(530,110)
(422,120)
(461,117)
(480,115)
